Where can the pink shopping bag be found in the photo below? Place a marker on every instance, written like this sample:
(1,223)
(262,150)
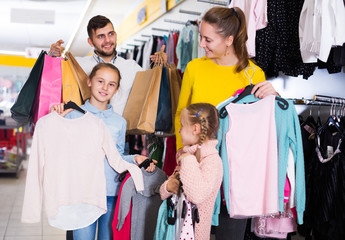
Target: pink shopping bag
(49,89)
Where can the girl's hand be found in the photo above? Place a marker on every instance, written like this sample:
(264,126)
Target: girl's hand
(140,158)
(264,89)
(172,185)
(59,108)
(181,157)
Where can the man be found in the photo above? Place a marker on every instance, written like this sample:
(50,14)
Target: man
(102,37)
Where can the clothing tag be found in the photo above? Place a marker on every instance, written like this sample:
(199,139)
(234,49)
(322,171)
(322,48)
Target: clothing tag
(330,151)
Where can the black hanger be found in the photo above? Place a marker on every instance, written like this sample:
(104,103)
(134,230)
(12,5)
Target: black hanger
(145,164)
(74,106)
(282,103)
(246,92)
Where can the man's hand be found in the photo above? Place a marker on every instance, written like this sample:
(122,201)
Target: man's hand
(154,57)
(56,49)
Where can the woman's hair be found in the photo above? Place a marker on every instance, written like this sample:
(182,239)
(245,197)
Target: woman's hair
(95,23)
(231,22)
(105,65)
(207,116)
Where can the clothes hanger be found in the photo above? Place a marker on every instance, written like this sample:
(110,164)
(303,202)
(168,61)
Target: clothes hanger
(145,164)
(72,105)
(282,103)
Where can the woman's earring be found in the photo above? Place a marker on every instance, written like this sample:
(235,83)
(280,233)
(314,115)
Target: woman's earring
(227,50)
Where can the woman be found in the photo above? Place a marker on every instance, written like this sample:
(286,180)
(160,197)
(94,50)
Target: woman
(217,76)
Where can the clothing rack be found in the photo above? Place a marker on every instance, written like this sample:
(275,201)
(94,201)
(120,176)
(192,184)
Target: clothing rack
(174,21)
(145,35)
(214,2)
(160,29)
(189,12)
(312,102)
(329,99)
(134,45)
(139,40)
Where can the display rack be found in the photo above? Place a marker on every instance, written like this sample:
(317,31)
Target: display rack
(20,145)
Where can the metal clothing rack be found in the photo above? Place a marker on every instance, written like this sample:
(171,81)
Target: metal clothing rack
(214,2)
(190,12)
(329,99)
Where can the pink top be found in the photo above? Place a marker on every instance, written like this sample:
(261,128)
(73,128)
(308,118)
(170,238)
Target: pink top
(201,183)
(256,17)
(66,168)
(251,143)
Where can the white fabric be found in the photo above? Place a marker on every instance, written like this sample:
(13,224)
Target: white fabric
(321,26)
(291,174)
(66,169)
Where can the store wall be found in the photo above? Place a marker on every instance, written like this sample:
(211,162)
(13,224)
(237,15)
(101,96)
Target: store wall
(321,82)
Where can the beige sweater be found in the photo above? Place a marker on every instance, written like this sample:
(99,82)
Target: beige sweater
(66,169)
(201,183)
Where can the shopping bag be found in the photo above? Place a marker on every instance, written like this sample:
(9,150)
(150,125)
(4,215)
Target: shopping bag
(21,109)
(164,114)
(175,88)
(141,108)
(70,87)
(81,77)
(49,89)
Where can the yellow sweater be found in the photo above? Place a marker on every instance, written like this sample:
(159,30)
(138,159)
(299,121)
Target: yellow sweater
(207,82)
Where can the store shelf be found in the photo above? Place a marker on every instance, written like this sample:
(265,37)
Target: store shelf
(16,157)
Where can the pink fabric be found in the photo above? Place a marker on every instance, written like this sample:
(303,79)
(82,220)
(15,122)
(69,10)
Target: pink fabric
(125,232)
(52,171)
(49,89)
(287,190)
(251,143)
(276,225)
(187,231)
(256,18)
(201,183)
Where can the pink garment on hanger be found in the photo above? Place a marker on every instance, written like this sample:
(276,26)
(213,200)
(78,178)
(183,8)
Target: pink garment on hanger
(125,232)
(251,143)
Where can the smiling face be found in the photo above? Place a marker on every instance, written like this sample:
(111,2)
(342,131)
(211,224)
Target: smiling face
(213,43)
(104,84)
(190,133)
(104,40)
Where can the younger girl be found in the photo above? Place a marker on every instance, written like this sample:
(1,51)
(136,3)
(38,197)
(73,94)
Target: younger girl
(199,168)
(104,81)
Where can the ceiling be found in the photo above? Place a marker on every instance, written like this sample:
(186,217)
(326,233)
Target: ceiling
(31,25)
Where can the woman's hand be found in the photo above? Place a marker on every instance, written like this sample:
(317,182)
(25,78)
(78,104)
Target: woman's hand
(264,89)
(59,108)
(163,54)
(56,49)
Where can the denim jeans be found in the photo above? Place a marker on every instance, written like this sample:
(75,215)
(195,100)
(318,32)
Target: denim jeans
(105,231)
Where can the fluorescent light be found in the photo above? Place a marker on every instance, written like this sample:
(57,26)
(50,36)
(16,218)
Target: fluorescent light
(17,53)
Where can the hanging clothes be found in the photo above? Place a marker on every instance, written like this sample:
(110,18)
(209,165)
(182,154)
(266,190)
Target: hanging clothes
(256,19)
(145,205)
(320,27)
(288,135)
(324,217)
(277,45)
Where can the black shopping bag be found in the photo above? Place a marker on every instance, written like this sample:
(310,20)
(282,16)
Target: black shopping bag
(21,109)
(164,112)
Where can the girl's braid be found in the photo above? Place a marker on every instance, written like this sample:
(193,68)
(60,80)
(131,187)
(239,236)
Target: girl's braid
(203,124)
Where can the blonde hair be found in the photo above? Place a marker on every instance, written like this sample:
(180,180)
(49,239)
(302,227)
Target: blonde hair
(231,22)
(207,116)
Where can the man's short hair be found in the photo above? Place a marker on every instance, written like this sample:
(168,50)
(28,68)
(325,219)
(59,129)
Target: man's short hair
(95,23)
